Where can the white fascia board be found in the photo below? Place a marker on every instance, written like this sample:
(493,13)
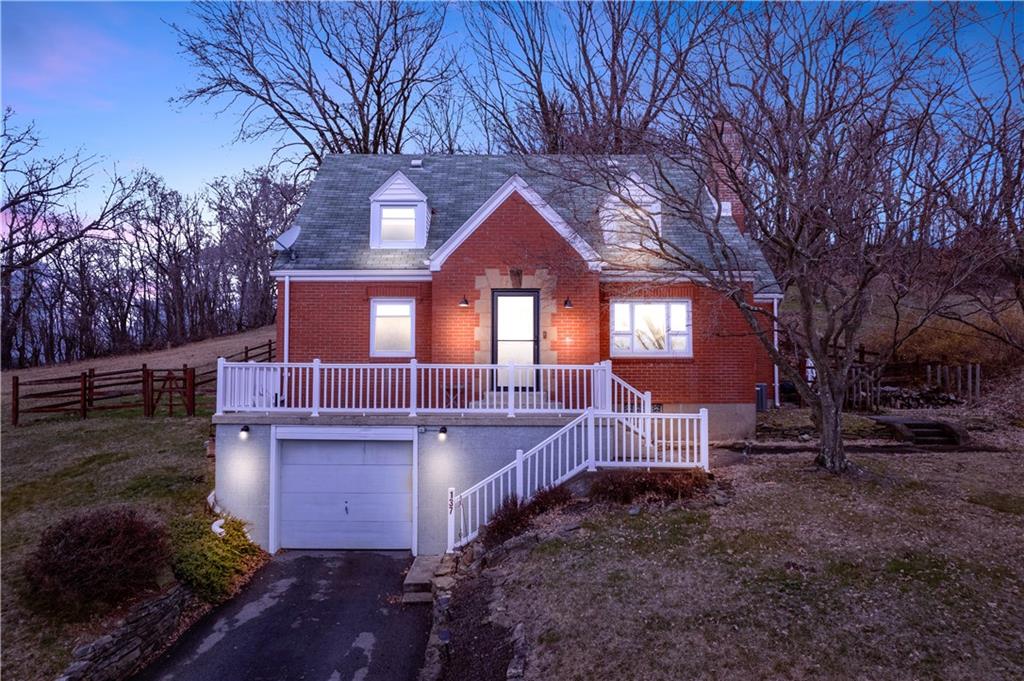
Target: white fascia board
(394,433)
(353,275)
(767,297)
(399,175)
(667,277)
(515,184)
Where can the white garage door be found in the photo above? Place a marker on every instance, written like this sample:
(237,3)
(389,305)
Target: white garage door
(345,494)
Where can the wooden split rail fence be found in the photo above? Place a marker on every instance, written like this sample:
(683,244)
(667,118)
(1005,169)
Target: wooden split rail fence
(151,389)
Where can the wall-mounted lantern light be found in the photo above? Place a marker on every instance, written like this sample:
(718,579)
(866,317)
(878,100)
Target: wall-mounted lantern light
(442,434)
(463,302)
(567,304)
(243,434)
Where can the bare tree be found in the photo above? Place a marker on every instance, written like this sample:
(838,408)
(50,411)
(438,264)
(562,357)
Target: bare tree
(986,196)
(40,217)
(816,129)
(323,77)
(251,212)
(581,77)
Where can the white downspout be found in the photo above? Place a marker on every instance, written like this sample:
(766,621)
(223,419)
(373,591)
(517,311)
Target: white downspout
(287,315)
(775,342)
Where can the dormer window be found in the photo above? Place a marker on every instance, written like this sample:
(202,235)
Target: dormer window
(397,224)
(399,217)
(631,215)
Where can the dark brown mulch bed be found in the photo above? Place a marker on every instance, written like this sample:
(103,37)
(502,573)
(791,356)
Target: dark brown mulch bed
(479,650)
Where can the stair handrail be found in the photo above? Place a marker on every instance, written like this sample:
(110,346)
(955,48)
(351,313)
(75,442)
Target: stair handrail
(631,396)
(515,483)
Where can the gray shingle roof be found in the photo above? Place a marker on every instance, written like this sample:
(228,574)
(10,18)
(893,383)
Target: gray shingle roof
(335,217)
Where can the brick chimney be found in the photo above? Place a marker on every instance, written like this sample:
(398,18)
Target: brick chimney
(723,149)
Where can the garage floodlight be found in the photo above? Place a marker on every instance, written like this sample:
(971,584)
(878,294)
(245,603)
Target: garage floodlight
(243,434)
(442,433)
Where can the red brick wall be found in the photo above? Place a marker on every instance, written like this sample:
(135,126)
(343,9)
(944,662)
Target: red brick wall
(515,236)
(725,353)
(331,319)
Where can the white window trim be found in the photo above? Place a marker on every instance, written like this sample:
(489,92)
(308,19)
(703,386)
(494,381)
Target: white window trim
(373,326)
(667,352)
(419,239)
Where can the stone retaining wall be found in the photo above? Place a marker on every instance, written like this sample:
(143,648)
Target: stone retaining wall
(143,634)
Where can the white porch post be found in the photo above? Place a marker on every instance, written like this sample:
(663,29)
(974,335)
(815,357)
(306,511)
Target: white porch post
(704,439)
(511,390)
(451,519)
(413,388)
(607,402)
(519,474)
(591,442)
(316,387)
(221,378)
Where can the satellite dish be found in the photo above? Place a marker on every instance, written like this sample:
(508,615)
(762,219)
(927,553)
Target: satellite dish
(287,239)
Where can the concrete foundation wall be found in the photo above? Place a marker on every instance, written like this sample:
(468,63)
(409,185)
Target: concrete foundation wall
(243,477)
(469,454)
(725,421)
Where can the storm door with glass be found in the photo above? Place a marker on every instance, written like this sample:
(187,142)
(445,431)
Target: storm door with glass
(515,335)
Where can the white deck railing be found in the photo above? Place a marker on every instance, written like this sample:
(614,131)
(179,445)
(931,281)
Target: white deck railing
(414,388)
(591,441)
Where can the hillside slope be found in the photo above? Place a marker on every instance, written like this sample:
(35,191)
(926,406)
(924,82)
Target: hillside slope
(193,354)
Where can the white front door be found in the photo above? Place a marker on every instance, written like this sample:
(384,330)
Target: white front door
(345,494)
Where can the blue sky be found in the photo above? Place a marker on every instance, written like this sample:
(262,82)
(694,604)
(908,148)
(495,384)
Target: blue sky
(98,76)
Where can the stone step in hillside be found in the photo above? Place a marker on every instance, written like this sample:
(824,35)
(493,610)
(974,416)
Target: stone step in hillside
(924,432)
(427,574)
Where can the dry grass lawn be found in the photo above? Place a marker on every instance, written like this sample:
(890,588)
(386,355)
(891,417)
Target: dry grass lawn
(912,573)
(193,354)
(55,467)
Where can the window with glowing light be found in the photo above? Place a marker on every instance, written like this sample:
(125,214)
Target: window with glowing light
(392,327)
(651,327)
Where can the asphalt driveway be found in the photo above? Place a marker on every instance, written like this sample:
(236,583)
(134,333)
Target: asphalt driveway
(317,615)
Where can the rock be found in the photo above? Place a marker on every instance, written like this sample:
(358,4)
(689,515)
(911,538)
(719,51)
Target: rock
(516,668)
(804,437)
(721,500)
(522,541)
(495,556)
(517,665)
(443,583)
(634,510)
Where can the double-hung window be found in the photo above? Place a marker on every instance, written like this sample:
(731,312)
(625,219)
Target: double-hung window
(397,225)
(392,327)
(651,327)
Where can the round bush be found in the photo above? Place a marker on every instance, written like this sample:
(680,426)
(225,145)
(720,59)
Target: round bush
(99,556)
(210,565)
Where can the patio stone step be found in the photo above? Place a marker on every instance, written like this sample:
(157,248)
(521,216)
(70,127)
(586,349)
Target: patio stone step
(421,574)
(417,598)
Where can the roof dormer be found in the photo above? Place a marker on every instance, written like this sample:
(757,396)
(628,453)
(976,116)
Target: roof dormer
(399,217)
(631,214)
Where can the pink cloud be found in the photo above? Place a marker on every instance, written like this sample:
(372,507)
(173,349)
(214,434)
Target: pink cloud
(63,58)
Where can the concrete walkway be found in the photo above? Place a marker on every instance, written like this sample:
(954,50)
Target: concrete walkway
(322,616)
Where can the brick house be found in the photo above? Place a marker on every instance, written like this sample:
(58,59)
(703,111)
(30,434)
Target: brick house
(454,329)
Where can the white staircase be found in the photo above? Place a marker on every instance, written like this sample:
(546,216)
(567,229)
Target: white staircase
(629,436)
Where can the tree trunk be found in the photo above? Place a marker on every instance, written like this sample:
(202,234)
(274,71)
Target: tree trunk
(832,455)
